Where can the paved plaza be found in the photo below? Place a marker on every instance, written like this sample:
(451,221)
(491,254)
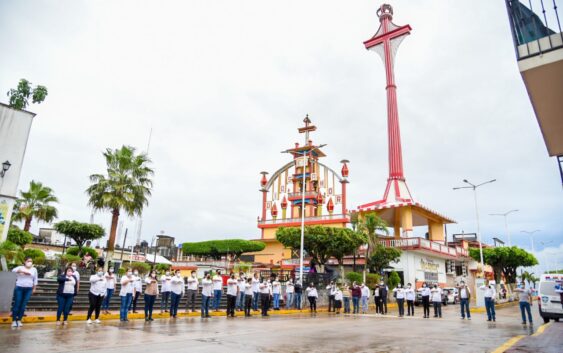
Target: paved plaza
(277,333)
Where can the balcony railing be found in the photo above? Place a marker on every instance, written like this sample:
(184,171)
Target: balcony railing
(535,26)
(299,195)
(307,219)
(424,244)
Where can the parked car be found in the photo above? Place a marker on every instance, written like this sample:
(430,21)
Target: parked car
(549,301)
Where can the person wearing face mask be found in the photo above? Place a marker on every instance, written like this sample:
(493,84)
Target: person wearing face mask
(525,301)
(77,277)
(410,296)
(383,291)
(312,296)
(165,283)
(177,290)
(255,291)
(232,292)
(265,296)
(193,284)
(436,293)
(206,294)
(276,291)
(138,285)
(26,282)
(490,294)
(126,294)
(464,296)
(337,300)
(298,302)
(217,290)
(241,283)
(65,294)
(365,298)
(425,295)
(399,293)
(346,296)
(96,295)
(248,296)
(110,288)
(356,295)
(331,289)
(289,290)
(151,292)
(376,299)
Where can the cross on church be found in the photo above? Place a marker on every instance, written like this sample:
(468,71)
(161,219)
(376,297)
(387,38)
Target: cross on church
(307,128)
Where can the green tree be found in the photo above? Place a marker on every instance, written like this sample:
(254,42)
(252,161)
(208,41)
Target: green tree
(219,248)
(80,232)
(12,252)
(505,260)
(37,255)
(372,280)
(35,203)
(354,277)
(19,237)
(370,226)
(142,267)
(19,96)
(393,280)
(126,187)
(343,242)
(80,252)
(382,257)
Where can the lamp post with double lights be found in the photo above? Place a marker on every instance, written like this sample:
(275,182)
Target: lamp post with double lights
(531,233)
(474,188)
(505,215)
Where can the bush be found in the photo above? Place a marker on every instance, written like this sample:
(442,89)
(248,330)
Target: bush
(80,253)
(372,280)
(67,259)
(121,271)
(19,237)
(162,268)
(354,277)
(393,280)
(12,252)
(37,255)
(142,267)
(244,267)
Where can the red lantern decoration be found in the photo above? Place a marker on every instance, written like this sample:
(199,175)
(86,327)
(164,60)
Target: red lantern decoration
(345,170)
(320,198)
(263,181)
(284,203)
(330,205)
(274,210)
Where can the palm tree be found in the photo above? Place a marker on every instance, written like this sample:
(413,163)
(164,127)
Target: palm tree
(126,187)
(370,226)
(35,203)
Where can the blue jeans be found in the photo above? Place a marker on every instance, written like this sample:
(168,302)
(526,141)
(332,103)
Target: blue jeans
(255,296)
(174,303)
(356,304)
(276,300)
(297,301)
(364,304)
(149,305)
(124,308)
(346,305)
(464,304)
(217,298)
(205,305)
(240,300)
(288,300)
(64,302)
(21,297)
(490,306)
(105,304)
(525,306)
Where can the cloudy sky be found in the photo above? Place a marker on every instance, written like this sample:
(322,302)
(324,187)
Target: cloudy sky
(225,84)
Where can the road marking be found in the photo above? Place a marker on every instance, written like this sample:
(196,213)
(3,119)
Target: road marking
(511,342)
(541,329)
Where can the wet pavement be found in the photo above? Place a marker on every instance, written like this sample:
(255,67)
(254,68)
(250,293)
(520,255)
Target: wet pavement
(549,341)
(284,333)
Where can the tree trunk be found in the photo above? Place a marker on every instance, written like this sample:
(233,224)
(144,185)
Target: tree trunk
(27,224)
(112,234)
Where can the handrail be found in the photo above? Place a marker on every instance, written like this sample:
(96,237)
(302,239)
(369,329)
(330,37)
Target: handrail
(417,242)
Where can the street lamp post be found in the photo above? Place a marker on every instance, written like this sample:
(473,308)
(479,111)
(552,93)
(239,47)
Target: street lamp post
(505,215)
(531,233)
(474,187)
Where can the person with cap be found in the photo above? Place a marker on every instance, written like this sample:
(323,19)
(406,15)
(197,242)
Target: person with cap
(490,295)
(425,297)
(526,302)
(399,294)
(464,296)
(410,296)
(436,293)
(331,289)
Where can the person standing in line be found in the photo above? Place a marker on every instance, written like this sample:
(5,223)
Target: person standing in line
(400,296)
(436,293)
(298,301)
(110,288)
(151,292)
(255,291)
(248,295)
(312,295)
(138,284)
(77,277)
(177,289)
(365,298)
(490,295)
(425,295)
(26,282)
(165,283)
(265,295)
(96,295)
(338,300)
(65,294)
(346,295)
(126,294)
(193,284)
(410,296)
(383,291)
(289,290)
(464,296)
(276,291)
(377,299)
(241,283)
(331,288)
(356,295)
(525,299)
(232,293)
(206,294)
(217,290)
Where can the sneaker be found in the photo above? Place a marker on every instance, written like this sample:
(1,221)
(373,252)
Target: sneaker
(98,321)
(14,324)
(65,322)
(20,324)
(58,323)
(88,321)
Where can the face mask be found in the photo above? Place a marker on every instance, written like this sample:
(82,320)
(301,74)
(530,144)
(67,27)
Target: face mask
(28,264)
(398,286)
(177,275)
(409,287)
(136,273)
(100,273)
(111,270)
(168,273)
(424,286)
(193,275)
(129,274)
(153,275)
(74,267)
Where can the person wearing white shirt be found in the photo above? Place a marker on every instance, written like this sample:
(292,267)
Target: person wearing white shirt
(177,288)
(525,300)
(96,295)
(399,292)
(464,296)
(193,284)
(126,294)
(490,294)
(241,283)
(312,296)
(365,298)
(206,294)
(255,291)
(337,300)
(217,290)
(265,296)
(248,296)
(165,283)
(76,275)
(331,289)
(151,292)
(65,294)
(110,288)
(289,291)
(436,294)
(425,296)
(232,292)
(276,291)
(410,296)
(138,284)
(26,282)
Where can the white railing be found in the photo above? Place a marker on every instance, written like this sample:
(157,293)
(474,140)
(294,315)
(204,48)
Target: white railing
(421,243)
(307,219)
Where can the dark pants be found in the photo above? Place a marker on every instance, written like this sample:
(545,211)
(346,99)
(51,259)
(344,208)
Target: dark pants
(356,304)
(490,306)
(21,297)
(377,301)
(134,301)
(312,303)
(149,305)
(401,305)
(205,305)
(255,296)
(95,305)
(383,305)
(64,303)
(265,302)
(231,303)
(164,300)
(174,303)
(191,299)
(297,301)
(437,309)
(525,306)
(247,304)
(109,294)
(330,303)
(426,305)
(410,307)
(464,306)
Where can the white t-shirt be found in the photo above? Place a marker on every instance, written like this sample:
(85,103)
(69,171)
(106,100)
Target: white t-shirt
(464,293)
(255,285)
(400,293)
(206,287)
(24,280)
(425,292)
(98,285)
(110,280)
(337,294)
(490,291)
(436,294)
(241,284)
(138,283)
(365,291)
(76,275)
(276,287)
(192,283)
(289,287)
(69,285)
(265,288)
(409,294)
(126,286)
(165,283)
(312,292)
(232,286)
(248,289)
(217,282)
(177,285)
